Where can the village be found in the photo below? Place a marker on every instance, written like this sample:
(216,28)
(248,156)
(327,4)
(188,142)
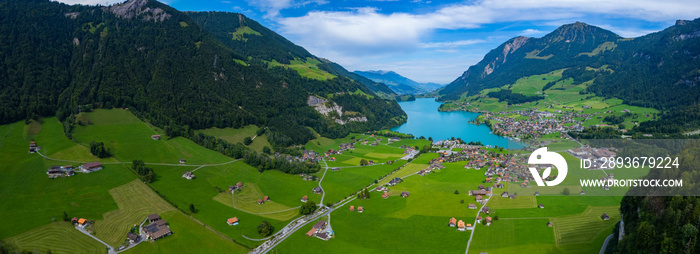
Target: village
(536,124)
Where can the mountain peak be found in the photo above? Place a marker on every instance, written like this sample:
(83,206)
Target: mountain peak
(134,8)
(580,32)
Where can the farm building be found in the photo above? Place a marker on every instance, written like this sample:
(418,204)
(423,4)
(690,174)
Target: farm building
(153,218)
(155,137)
(453,222)
(317,190)
(183,161)
(488,221)
(188,175)
(549,224)
(461,226)
(133,238)
(472,206)
(404,194)
(157,230)
(385,195)
(91,167)
(352,208)
(260,201)
(266,198)
(232,221)
(541,206)
(360,209)
(304,199)
(486,210)
(82,222)
(605,216)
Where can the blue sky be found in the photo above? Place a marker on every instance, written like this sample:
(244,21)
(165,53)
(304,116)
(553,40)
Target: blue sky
(433,41)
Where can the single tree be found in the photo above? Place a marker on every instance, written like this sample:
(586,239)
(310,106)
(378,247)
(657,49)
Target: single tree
(363,162)
(247,141)
(265,228)
(65,216)
(456,192)
(566,191)
(191,208)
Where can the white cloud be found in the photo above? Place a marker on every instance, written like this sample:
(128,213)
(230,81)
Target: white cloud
(273,7)
(351,34)
(450,44)
(531,32)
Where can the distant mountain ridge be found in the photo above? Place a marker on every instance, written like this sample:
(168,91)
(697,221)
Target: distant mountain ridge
(398,83)
(660,70)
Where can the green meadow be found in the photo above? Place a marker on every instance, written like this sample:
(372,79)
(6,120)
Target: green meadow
(238,135)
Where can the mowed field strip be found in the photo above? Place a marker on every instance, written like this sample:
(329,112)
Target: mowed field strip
(584,227)
(59,237)
(135,201)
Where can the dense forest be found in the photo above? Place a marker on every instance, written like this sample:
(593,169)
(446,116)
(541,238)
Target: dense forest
(156,61)
(248,38)
(660,220)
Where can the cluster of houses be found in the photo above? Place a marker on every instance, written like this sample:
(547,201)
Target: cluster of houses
(157,229)
(434,165)
(359,209)
(58,171)
(320,230)
(461,226)
(69,170)
(263,200)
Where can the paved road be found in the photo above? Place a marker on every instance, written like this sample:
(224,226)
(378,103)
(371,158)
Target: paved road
(605,244)
(109,248)
(474,228)
(147,163)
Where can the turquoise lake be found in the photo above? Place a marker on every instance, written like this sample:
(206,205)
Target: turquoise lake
(424,119)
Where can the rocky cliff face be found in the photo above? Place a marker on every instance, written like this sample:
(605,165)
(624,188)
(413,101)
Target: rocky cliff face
(135,8)
(332,110)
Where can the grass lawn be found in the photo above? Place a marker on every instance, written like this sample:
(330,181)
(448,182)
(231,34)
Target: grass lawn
(128,139)
(375,230)
(188,237)
(246,200)
(135,201)
(58,237)
(238,135)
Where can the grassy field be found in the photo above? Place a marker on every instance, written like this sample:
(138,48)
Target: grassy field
(31,199)
(238,135)
(246,200)
(58,237)
(188,237)
(128,139)
(391,225)
(306,68)
(135,201)
(582,228)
